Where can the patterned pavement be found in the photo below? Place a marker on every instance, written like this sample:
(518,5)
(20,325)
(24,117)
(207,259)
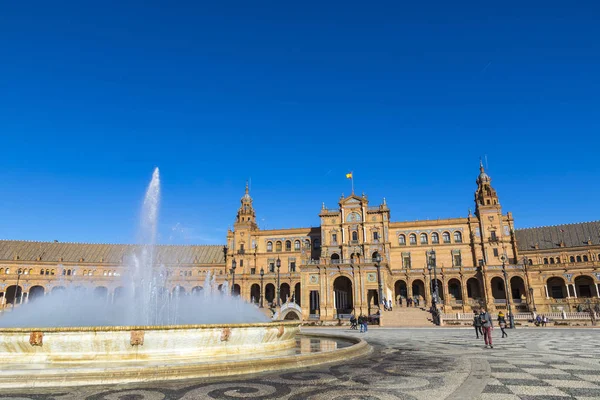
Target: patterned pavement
(442,363)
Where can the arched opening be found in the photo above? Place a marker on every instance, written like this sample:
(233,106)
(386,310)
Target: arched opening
(585,286)
(178,291)
(278,246)
(556,288)
(269,293)
(14,294)
(284,293)
(197,290)
(119,294)
(446,237)
(255,293)
(35,292)
(498,289)
(473,289)
(418,290)
(374,256)
(58,290)
(424,238)
(236,290)
(297,294)
(269,246)
(354,236)
(412,238)
(297,245)
(517,289)
(400,290)
(457,237)
(100,292)
(291,316)
(454,290)
(435,238)
(288,245)
(335,258)
(355,257)
(578,258)
(373,300)
(342,295)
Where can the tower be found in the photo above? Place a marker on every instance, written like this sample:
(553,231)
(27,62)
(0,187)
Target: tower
(246,217)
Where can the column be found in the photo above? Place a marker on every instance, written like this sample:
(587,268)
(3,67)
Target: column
(597,291)
(568,294)
(574,290)
(546,289)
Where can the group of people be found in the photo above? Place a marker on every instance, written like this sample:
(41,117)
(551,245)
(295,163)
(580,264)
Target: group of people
(361,322)
(387,304)
(541,321)
(410,302)
(484,326)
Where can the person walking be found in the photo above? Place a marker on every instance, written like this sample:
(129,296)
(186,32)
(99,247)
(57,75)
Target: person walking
(502,324)
(477,325)
(390,305)
(487,326)
(361,320)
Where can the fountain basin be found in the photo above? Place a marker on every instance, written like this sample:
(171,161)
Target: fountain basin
(54,357)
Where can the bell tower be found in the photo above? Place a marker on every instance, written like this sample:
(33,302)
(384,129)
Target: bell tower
(246,217)
(486,198)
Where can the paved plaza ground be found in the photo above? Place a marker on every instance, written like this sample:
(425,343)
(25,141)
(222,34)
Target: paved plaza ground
(442,363)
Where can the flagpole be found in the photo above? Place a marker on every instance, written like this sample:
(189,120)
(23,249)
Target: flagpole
(352,179)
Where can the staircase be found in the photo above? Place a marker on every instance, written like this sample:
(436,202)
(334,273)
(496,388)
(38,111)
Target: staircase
(406,316)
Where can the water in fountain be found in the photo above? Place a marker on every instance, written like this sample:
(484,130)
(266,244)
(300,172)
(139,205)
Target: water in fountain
(146,300)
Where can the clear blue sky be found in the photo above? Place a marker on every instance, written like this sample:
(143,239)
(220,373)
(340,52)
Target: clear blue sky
(408,95)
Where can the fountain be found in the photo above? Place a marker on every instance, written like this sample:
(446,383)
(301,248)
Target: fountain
(71,338)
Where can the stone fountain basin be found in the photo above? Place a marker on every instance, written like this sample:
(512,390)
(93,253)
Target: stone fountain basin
(142,343)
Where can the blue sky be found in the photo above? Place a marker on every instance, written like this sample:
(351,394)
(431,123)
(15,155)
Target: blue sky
(94,95)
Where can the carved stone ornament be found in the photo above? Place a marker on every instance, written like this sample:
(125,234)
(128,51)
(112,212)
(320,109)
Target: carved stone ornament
(280,331)
(137,338)
(225,334)
(36,338)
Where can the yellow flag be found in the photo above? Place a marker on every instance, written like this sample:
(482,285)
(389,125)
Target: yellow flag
(349,176)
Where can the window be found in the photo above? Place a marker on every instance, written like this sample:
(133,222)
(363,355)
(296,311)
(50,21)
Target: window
(578,258)
(530,261)
(297,245)
(288,245)
(424,238)
(551,260)
(64,271)
(316,243)
(457,260)
(446,237)
(241,263)
(402,240)
(334,238)
(375,236)
(545,261)
(242,248)
(457,237)
(354,236)
(293,266)
(500,286)
(271,267)
(435,238)
(585,258)
(41,271)
(278,246)
(406,260)
(495,252)
(572,259)
(493,236)
(307,244)
(269,246)
(413,239)
(252,271)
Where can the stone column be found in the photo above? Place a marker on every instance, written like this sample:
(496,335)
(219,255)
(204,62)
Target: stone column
(568,294)
(546,289)
(574,290)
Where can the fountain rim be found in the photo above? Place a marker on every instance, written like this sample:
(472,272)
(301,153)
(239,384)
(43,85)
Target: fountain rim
(108,328)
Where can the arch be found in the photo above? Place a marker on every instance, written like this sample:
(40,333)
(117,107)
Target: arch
(517,288)
(284,293)
(178,291)
(446,237)
(498,289)
(101,292)
(36,292)
(288,245)
(402,240)
(296,245)
(342,292)
(454,289)
(435,238)
(551,260)
(585,258)
(58,289)
(269,293)
(236,290)
(374,256)
(269,246)
(473,289)
(423,238)
(418,289)
(400,290)
(457,237)
(118,293)
(578,258)
(335,258)
(197,290)
(556,287)
(14,294)
(278,246)
(298,294)
(292,315)
(255,293)
(572,259)
(545,260)
(585,286)
(412,239)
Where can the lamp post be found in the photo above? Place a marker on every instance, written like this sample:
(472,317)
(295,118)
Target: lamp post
(278,264)
(17,290)
(262,296)
(378,265)
(233,266)
(525,263)
(432,266)
(506,291)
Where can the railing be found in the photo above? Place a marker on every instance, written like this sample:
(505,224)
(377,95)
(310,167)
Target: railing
(373,208)
(342,316)
(329,211)
(525,316)
(314,317)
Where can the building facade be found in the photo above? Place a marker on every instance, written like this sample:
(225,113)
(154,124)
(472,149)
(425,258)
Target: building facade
(354,259)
